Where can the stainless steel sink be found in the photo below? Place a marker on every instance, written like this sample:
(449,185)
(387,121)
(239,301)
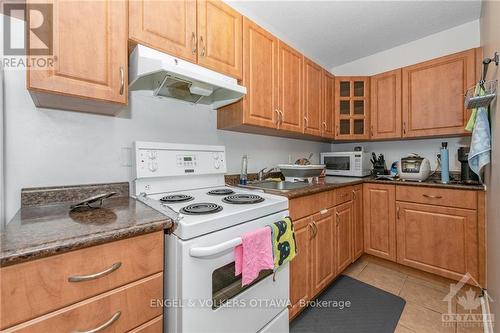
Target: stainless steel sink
(282,186)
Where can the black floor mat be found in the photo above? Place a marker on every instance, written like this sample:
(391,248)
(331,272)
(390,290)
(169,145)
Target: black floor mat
(371,310)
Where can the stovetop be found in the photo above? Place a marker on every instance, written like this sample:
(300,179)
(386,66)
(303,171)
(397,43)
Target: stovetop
(220,207)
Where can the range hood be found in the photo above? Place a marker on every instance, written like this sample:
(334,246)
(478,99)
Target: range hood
(168,76)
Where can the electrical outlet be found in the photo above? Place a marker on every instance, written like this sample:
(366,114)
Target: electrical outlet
(126,157)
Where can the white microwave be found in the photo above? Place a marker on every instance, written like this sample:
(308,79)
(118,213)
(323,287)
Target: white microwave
(350,163)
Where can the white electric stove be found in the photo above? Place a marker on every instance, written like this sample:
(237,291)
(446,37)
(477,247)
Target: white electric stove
(186,183)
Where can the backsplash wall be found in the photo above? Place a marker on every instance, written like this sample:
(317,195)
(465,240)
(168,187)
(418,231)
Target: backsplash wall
(51,147)
(394,150)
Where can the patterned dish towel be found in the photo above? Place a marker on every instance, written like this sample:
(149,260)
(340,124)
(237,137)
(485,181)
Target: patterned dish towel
(284,244)
(480,148)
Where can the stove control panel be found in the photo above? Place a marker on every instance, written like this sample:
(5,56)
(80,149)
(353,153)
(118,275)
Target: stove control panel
(158,162)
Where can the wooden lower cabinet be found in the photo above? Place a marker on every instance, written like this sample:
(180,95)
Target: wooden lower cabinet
(440,240)
(343,226)
(300,267)
(70,293)
(379,201)
(358,246)
(323,250)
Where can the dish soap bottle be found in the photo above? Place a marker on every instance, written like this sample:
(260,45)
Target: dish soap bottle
(243,173)
(445,163)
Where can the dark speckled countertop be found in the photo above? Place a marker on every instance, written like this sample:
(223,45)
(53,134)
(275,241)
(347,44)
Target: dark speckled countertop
(330,183)
(47,228)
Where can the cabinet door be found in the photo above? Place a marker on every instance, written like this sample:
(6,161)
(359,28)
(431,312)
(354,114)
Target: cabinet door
(357,223)
(260,76)
(438,239)
(380,220)
(290,88)
(323,247)
(343,235)
(166,25)
(219,37)
(385,111)
(90,45)
(300,266)
(313,97)
(433,102)
(327,116)
(352,106)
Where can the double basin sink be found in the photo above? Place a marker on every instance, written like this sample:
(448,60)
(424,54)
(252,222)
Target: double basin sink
(281,186)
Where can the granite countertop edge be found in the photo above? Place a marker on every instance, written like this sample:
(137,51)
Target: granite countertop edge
(322,187)
(9,258)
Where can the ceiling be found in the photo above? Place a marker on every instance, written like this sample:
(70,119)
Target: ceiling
(337,32)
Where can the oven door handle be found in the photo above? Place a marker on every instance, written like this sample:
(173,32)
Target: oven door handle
(208,251)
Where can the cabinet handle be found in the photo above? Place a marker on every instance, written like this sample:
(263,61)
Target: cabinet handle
(81,278)
(354,195)
(432,196)
(324,125)
(397,212)
(193,43)
(371,130)
(202,45)
(337,130)
(312,230)
(315,229)
(404,127)
(277,117)
(337,217)
(281,116)
(306,122)
(323,211)
(103,326)
(122,80)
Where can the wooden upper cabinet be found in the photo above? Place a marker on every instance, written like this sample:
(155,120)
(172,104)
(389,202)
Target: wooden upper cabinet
(166,25)
(90,47)
(260,76)
(290,88)
(385,111)
(219,37)
(313,97)
(433,103)
(352,107)
(380,220)
(328,110)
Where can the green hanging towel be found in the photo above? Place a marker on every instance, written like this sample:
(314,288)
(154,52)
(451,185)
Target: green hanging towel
(472,120)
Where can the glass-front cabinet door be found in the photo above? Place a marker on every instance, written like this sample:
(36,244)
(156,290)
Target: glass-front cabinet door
(352,107)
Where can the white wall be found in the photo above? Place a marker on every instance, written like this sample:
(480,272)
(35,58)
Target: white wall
(394,150)
(490,40)
(51,147)
(459,38)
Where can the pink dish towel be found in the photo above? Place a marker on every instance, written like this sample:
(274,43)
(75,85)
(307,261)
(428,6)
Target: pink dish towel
(253,255)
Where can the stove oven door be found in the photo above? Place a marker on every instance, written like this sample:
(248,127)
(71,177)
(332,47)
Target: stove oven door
(213,299)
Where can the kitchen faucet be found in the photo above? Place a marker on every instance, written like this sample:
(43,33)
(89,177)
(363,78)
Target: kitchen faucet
(263,174)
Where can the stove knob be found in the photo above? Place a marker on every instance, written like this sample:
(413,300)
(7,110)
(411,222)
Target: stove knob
(153,166)
(152,155)
(217,164)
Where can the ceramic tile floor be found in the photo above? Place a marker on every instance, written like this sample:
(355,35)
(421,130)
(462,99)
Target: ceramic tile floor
(423,292)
